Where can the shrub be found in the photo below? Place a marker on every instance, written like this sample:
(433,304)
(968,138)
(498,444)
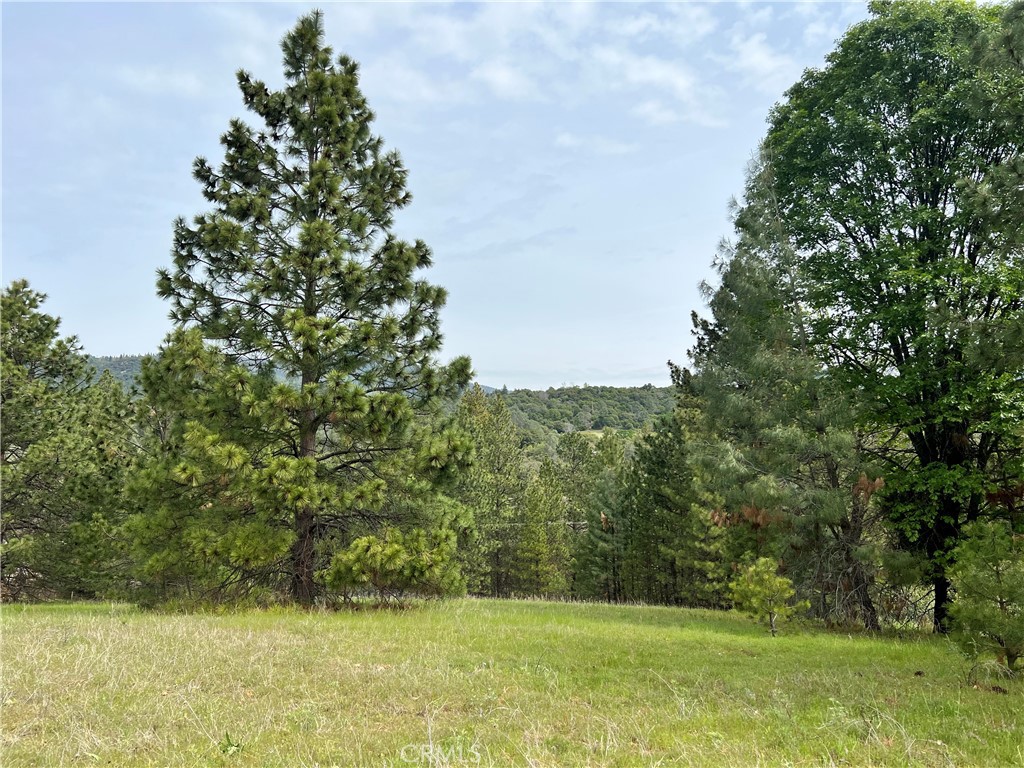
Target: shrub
(988,576)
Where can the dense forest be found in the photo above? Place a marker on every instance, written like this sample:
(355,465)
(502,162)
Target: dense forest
(847,431)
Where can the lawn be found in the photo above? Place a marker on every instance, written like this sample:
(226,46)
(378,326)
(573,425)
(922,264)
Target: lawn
(473,682)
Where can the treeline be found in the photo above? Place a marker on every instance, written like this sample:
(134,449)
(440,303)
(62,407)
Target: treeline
(847,429)
(540,414)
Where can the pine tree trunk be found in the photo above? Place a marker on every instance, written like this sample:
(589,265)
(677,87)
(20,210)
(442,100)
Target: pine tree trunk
(867,607)
(303,565)
(303,589)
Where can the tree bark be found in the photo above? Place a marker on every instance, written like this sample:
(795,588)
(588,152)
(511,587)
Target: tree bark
(943,536)
(303,588)
(303,561)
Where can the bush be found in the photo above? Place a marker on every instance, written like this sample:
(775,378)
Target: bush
(988,576)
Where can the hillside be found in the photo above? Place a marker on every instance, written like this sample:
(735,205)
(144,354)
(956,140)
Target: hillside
(536,412)
(569,409)
(124,368)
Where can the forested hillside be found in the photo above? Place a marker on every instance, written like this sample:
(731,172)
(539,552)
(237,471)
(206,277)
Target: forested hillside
(570,409)
(124,368)
(537,413)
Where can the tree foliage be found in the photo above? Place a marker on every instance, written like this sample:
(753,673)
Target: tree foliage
(66,448)
(762,592)
(988,576)
(913,285)
(305,349)
(397,564)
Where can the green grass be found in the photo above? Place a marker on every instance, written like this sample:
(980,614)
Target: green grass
(484,682)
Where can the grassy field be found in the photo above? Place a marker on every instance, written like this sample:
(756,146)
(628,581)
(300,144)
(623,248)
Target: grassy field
(484,683)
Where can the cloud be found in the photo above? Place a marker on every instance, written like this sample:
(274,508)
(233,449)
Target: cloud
(153,81)
(649,70)
(627,69)
(505,81)
(640,26)
(690,22)
(395,81)
(761,66)
(655,113)
(503,248)
(598,145)
(680,23)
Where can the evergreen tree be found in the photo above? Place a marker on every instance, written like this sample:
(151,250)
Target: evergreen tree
(594,479)
(547,535)
(493,488)
(790,469)
(305,348)
(65,451)
(988,576)
(673,551)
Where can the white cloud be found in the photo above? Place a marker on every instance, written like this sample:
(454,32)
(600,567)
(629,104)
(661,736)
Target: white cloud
(690,22)
(627,69)
(598,145)
(655,113)
(761,66)
(150,80)
(680,23)
(640,26)
(756,18)
(648,70)
(505,81)
(395,81)
(821,34)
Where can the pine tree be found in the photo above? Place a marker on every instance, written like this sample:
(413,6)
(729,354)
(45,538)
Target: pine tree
(66,447)
(594,480)
(673,552)
(494,489)
(305,347)
(545,559)
(789,465)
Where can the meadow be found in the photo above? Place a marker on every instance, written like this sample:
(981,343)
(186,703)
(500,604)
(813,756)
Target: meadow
(475,682)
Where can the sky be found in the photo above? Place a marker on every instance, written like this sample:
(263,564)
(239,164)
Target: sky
(571,164)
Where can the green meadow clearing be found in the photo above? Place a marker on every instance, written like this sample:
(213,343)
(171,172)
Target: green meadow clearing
(472,682)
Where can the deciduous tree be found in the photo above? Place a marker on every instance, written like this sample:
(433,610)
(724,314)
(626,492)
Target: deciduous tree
(914,285)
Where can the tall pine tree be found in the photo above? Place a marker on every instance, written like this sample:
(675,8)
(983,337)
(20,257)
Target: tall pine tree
(305,347)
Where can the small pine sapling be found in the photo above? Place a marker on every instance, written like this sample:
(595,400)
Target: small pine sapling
(760,591)
(988,576)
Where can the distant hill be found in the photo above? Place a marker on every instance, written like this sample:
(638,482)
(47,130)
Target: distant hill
(570,409)
(124,368)
(536,413)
